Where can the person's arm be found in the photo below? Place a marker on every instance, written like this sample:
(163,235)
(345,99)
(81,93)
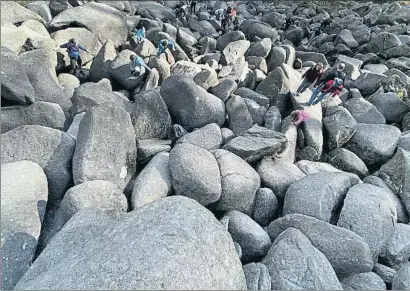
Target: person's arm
(64,45)
(305,73)
(81,47)
(171,45)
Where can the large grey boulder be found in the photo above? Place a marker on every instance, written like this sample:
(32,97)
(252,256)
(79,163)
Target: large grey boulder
(148,148)
(370,212)
(273,119)
(40,113)
(251,237)
(40,8)
(382,42)
(395,172)
(224,40)
(208,137)
(98,155)
(202,183)
(347,161)
(278,175)
(239,183)
(257,143)
(204,27)
(255,30)
(391,106)
(244,92)
(150,116)
(89,15)
(340,126)
(276,57)
(364,112)
(368,82)
(90,94)
(261,48)
(319,195)
(224,89)
(155,10)
(401,281)
(234,51)
(345,37)
(153,182)
(170,251)
(15,83)
(309,167)
(363,281)
(99,194)
(294,263)
(13,12)
(347,252)
(266,206)
(397,251)
(384,272)
(374,144)
(240,120)
(52,149)
(119,70)
(24,195)
(190,105)
(257,276)
(100,66)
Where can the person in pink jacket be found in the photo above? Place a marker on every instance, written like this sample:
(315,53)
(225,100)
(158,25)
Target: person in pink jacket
(298,116)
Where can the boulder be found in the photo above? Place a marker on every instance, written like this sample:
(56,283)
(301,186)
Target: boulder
(397,251)
(89,15)
(256,111)
(190,105)
(257,143)
(40,113)
(208,137)
(99,194)
(278,175)
(363,281)
(364,112)
(239,183)
(154,10)
(347,252)
(15,83)
(312,56)
(224,89)
(387,274)
(51,148)
(319,195)
(200,183)
(234,51)
(287,264)
(101,63)
(153,182)
(309,167)
(14,13)
(401,280)
(119,70)
(40,8)
(204,27)
(148,148)
(382,42)
(345,37)
(150,116)
(374,144)
(295,35)
(368,82)
(266,206)
(255,30)
(224,40)
(97,154)
(171,251)
(391,106)
(261,48)
(240,120)
(347,161)
(369,212)
(276,57)
(244,92)
(340,126)
(257,276)
(163,68)
(24,194)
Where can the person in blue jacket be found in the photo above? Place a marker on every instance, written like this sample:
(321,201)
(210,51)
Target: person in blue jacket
(163,45)
(73,50)
(138,65)
(140,34)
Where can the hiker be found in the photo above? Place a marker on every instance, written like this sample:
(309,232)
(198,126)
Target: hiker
(162,47)
(228,18)
(311,76)
(182,9)
(73,50)
(140,34)
(298,116)
(325,23)
(289,21)
(138,65)
(193,6)
(219,13)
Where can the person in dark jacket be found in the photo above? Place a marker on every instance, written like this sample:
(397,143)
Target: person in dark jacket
(73,50)
(193,6)
(289,21)
(311,76)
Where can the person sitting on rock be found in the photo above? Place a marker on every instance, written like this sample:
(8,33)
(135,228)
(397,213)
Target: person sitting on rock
(162,47)
(140,34)
(298,116)
(311,76)
(73,50)
(219,13)
(138,66)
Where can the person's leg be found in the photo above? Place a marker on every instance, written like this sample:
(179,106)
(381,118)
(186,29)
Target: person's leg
(73,66)
(314,94)
(302,86)
(320,98)
(80,63)
(195,7)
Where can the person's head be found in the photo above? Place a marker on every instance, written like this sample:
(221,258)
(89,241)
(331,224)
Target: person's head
(319,66)
(164,42)
(132,57)
(72,40)
(341,67)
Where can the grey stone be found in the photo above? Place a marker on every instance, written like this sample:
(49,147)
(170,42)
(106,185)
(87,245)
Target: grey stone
(98,155)
(347,161)
(261,48)
(319,195)
(153,182)
(254,241)
(273,119)
(240,120)
(397,251)
(52,149)
(188,179)
(368,82)
(387,274)
(255,30)
(309,167)
(120,71)
(99,194)
(347,252)
(75,125)
(194,246)
(402,279)
(345,37)
(374,143)
(224,89)
(364,112)
(266,206)
(148,148)
(256,111)
(391,106)
(101,63)
(224,40)
(208,137)
(227,135)
(239,183)
(234,51)
(382,42)
(15,13)
(369,212)
(286,262)
(340,126)
(276,57)
(257,276)
(250,94)
(24,194)
(363,281)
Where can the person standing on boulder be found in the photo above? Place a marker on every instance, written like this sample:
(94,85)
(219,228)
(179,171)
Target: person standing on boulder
(163,45)
(73,50)
(219,13)
(138,65)
(311,76)
(193,6)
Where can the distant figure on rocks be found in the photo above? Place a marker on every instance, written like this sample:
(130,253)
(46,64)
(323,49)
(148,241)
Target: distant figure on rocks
(73,50)
(140,34)
(162,47)
(298,116)
(219,13)
(311,76)
(193,6)
(138,66)
(289,21)
(228,18)
(325,23)
(333,84)
(182,9)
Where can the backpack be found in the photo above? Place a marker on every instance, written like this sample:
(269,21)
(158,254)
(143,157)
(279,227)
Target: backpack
(337,82)
(73,50)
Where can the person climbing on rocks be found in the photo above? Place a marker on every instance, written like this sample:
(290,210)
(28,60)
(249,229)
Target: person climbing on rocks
(289,21)
(182,9)
(73,50)
(219,13)
(140,34)
(162,47)
(311,76)
(298,116)
(138,66)
(333,84)
(193,6)
(325,23)
(228,18)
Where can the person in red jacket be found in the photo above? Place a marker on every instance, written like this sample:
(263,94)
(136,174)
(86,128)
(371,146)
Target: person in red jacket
(311,76)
